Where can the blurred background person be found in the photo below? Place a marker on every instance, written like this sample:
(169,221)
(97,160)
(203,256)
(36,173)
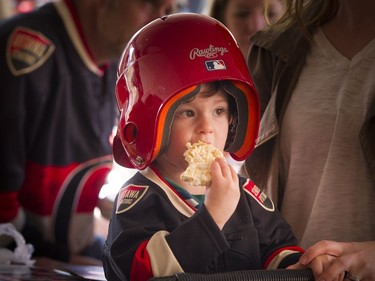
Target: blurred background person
(57,110)
(245,17)
(315,155)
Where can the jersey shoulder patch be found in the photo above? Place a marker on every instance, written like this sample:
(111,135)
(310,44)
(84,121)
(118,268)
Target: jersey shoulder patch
(128,197)
(259,196)
(27,50)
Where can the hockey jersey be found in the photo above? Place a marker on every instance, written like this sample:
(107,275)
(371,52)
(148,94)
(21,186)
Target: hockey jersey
(57,111)
(157,232)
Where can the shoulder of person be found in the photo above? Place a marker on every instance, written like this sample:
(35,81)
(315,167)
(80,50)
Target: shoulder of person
(134,192)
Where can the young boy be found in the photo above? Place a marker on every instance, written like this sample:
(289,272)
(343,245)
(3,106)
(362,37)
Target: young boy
(183,79)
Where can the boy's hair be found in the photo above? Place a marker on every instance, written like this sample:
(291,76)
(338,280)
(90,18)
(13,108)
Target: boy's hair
(160,69)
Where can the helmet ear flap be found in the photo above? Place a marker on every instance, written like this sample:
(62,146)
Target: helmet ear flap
(124,143)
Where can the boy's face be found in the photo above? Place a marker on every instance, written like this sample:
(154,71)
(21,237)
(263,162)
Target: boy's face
(203,118)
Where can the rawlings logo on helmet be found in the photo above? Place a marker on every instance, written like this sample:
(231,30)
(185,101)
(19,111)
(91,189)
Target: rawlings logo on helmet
(210,52)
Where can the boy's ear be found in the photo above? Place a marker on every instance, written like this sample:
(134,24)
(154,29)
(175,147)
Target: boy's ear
(233,123)
(232,128)
(231,120)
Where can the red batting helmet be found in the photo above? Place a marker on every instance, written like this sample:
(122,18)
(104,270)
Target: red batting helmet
(160,67)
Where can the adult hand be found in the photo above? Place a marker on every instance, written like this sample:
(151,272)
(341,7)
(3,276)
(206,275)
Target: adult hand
(357,259)
(318,265)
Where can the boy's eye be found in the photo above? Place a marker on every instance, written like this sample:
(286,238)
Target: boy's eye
(186,113)
(219,111)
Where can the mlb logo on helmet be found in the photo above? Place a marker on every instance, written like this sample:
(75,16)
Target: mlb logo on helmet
(215,65)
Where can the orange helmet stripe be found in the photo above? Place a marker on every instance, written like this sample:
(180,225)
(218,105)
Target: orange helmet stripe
(163,117)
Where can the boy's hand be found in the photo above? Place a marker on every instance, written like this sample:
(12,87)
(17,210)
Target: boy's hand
(223,194)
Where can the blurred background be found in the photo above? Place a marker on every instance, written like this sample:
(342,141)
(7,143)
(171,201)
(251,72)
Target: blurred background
(11,7)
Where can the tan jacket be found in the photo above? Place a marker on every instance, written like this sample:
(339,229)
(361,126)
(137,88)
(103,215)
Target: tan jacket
(275,62)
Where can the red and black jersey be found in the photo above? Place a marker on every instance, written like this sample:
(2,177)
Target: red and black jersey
(154,232)
(57,111)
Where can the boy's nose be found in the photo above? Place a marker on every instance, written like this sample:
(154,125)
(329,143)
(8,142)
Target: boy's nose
(205,125)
